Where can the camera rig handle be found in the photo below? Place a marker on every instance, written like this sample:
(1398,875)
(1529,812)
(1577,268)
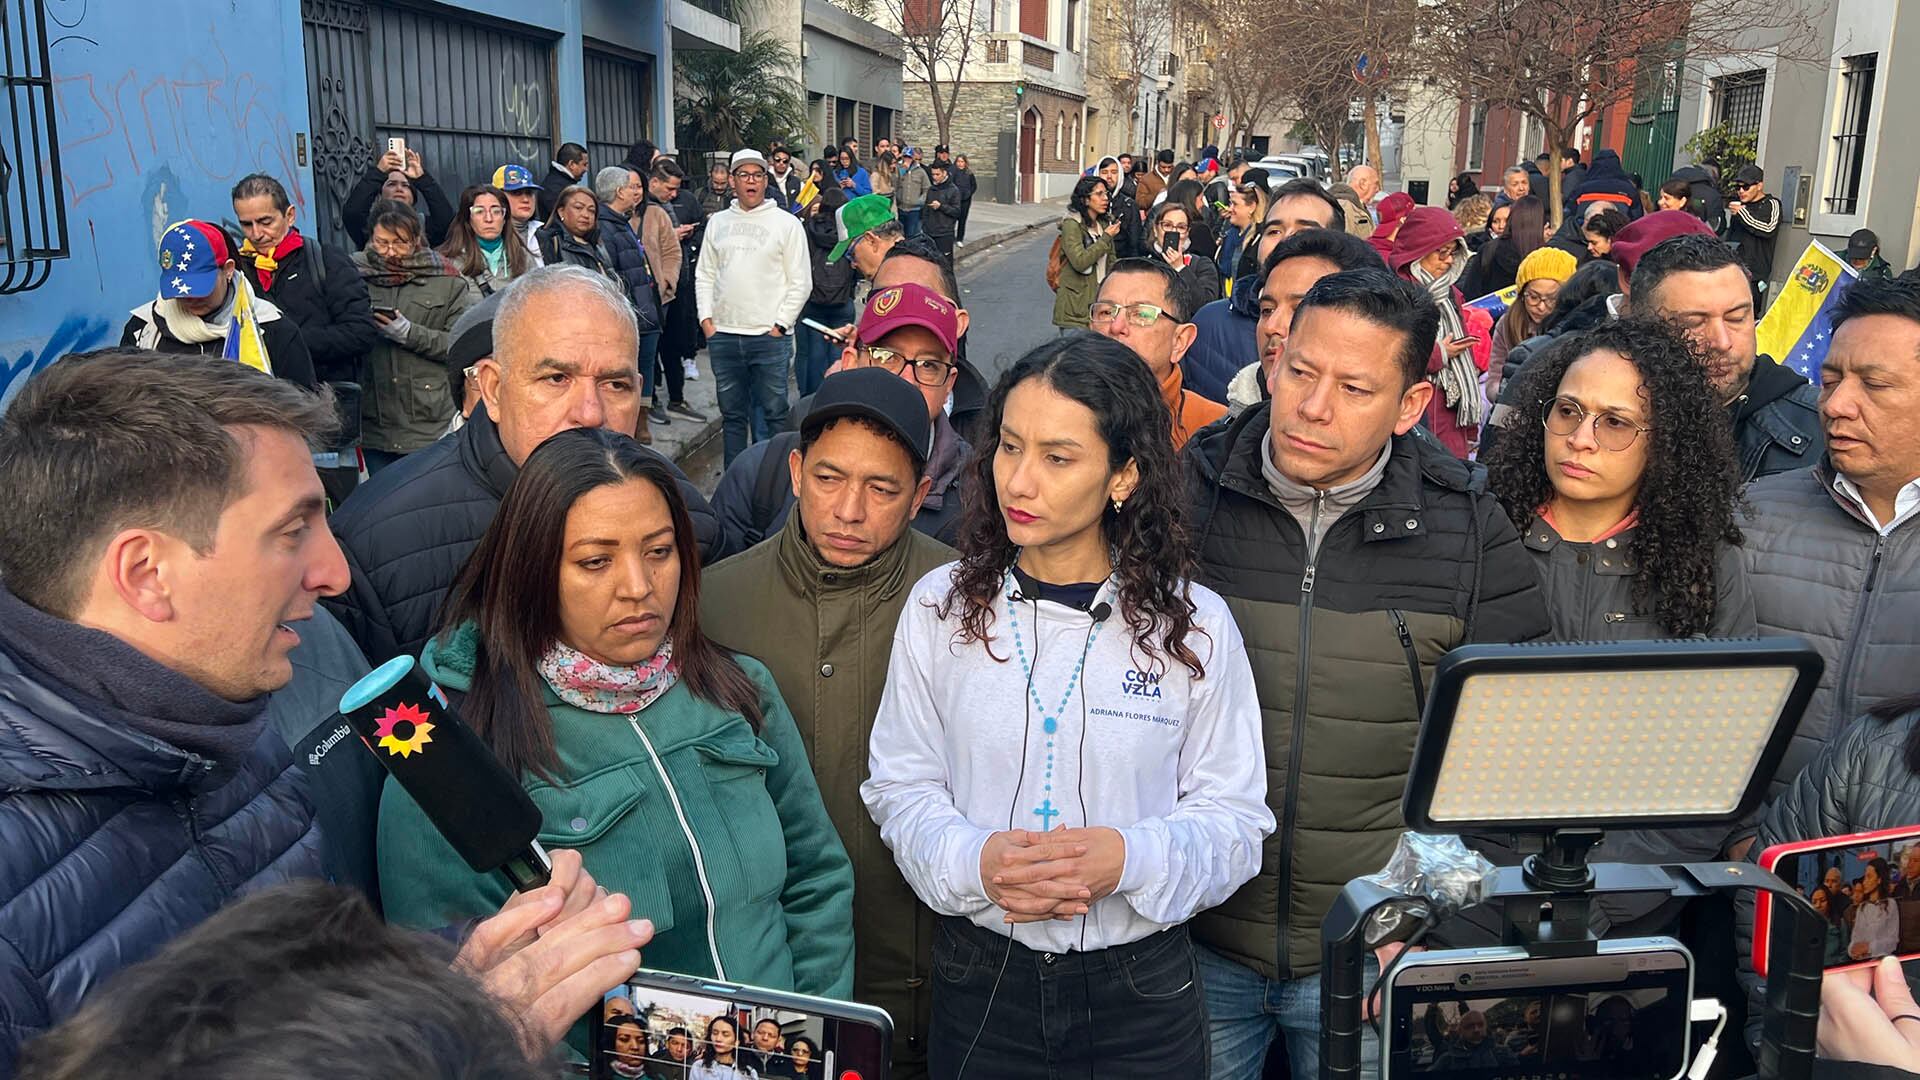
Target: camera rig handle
(1544,904)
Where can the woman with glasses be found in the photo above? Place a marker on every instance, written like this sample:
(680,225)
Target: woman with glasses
(1539,280)
(1086,244)
(480,245)
(1170,239)
(416,295)
(1618,470)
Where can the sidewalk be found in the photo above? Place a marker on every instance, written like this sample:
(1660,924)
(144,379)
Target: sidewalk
(989,224)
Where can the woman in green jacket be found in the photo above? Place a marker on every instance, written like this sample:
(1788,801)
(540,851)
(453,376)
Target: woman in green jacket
(1086,248)
(416,294)
(573,648)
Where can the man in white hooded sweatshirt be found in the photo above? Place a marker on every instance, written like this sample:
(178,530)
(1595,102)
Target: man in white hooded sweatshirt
(753,277)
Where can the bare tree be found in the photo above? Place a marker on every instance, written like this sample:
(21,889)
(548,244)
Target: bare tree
(1562,61)
(1136,35)
(1248,78)
(937,38)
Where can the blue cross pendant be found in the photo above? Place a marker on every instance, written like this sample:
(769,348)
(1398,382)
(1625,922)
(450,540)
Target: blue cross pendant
(1046,813)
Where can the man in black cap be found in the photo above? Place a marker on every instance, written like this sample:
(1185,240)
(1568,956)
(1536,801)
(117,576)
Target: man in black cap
(1753,223)
(1863,254)
(841,567)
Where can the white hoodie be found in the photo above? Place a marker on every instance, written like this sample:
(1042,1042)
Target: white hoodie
(1176,764)
(755,270)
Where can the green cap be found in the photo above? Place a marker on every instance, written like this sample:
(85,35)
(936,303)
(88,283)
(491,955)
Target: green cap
(857,218)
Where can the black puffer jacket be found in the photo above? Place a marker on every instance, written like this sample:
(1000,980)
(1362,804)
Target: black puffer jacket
(1226,339)
(1420,565)
(1859,782)
(407,531)
(320,289)
(286,346)
(631,268)
(115,843)
(833,282)
(1776,422)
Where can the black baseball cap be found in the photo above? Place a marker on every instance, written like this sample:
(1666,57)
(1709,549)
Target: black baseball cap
(1749,174)
(880,396)
(1862,244)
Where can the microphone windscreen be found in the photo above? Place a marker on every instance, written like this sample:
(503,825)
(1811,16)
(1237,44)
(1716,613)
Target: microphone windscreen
(408,724)
(1100,611)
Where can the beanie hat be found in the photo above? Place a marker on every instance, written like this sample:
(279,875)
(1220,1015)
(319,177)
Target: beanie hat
(1642,236)
(1545,262)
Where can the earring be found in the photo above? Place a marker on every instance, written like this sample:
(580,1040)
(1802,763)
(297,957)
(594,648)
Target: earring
(1116,506)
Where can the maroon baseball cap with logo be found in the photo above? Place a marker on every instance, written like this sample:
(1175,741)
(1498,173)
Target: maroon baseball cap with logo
(896,306)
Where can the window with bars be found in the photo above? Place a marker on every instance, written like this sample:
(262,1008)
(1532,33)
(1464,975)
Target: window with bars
(1737,101)
(1850,133)
(33,215)
(1477,138)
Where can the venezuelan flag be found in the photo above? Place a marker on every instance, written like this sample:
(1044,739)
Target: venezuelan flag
(244,343)
(1798,328)
(1495,304)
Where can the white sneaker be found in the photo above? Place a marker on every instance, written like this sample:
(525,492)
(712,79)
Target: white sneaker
(692,369)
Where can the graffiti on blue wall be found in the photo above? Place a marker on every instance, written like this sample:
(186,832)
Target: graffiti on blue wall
(158,117)
(75,333)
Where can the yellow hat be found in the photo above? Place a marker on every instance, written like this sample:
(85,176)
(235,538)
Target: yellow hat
(1545,262)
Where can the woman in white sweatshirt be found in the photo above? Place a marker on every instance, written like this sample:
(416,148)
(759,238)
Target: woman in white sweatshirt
(1067,761)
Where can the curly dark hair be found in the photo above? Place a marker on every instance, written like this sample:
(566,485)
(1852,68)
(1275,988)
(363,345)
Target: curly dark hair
(1148,539)
(1082,191)
(1691,489)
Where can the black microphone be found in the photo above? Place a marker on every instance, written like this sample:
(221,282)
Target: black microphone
(408,724)
(1100,611)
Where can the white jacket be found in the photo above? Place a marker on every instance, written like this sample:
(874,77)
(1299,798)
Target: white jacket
(1175,764)
(755,270)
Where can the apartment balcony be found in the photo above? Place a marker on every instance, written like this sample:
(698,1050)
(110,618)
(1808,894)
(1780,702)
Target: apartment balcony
(1010,56)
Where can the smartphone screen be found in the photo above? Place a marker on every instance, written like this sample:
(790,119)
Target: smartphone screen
(1620,1015)
(662,1025)
(1868,890)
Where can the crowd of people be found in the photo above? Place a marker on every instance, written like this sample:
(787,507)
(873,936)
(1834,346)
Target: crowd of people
(1048,714)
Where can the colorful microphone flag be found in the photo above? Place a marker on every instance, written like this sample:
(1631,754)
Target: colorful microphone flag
(1798,329)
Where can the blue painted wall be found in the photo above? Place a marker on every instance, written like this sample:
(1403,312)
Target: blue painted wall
(159,112)
(164,104)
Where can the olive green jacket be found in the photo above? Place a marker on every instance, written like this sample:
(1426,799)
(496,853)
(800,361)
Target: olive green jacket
(1084,261)
(826,634)
(683,807)
(405,400)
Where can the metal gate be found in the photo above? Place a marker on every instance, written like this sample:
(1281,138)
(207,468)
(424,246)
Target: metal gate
(1654,122)
(619,105)
(469,97)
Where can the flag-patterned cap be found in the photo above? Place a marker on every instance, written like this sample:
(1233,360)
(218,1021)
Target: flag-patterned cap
(191,255)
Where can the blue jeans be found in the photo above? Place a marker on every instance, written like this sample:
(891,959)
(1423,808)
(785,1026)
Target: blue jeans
(817,354)
(910,222)
(649,359)
(749,372)
(1245,1010)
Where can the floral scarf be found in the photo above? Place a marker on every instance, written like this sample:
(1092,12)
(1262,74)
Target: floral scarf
(586,683)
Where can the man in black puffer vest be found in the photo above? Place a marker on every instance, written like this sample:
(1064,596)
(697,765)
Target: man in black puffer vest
(1354,555)
(407,530)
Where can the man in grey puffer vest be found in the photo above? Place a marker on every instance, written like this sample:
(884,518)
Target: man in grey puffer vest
(1833,551)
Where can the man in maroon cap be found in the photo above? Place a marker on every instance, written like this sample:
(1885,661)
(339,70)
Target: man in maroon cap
(907,329)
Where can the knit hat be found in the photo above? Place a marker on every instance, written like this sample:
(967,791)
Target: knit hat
(856,219)
(1642,236)
(1545,262)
